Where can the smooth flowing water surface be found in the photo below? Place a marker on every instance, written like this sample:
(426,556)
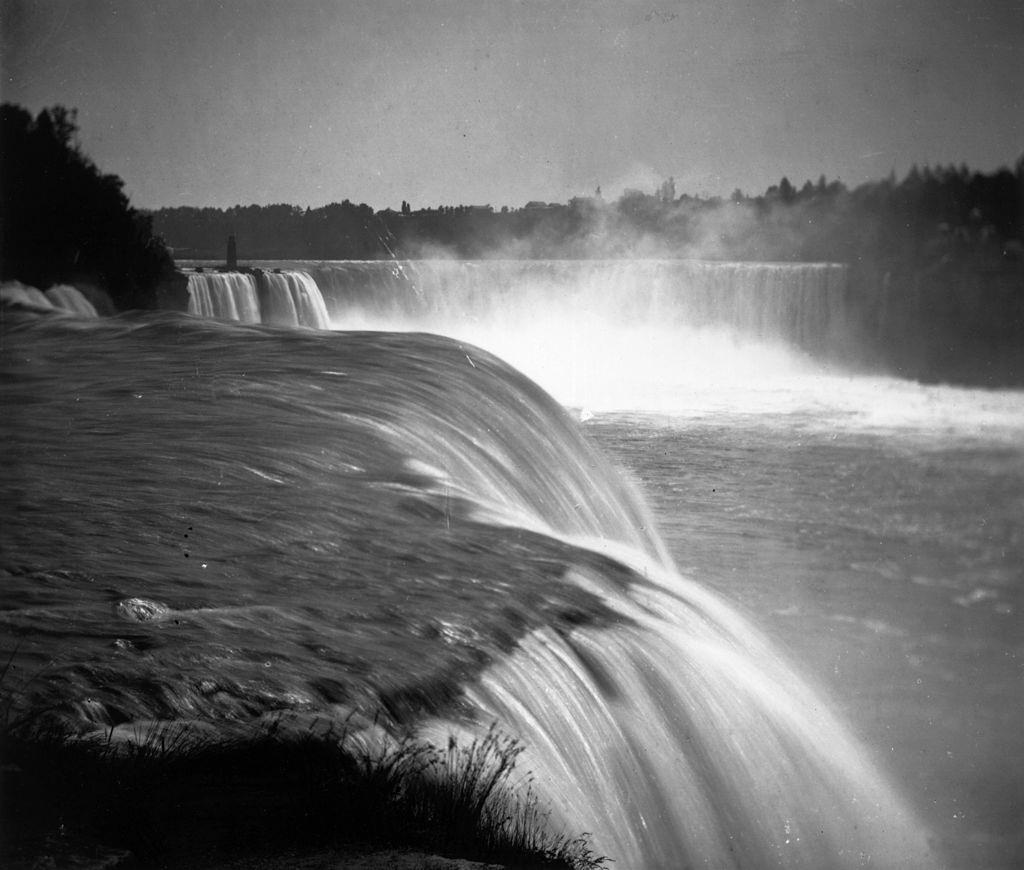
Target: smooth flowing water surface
(743,607)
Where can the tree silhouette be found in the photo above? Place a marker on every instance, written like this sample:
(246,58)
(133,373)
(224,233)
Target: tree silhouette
(786,191)
(62,220)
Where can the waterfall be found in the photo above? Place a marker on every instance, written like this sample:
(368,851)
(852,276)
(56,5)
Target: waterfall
(614,333)
(278,297)
(62,297)
(291,298)
(406,522)
(598,334)
(16,293)
(70,299)
(797,303)
(678,738)
(224,295)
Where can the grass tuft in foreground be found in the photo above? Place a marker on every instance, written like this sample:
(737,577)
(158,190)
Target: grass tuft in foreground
(173,795)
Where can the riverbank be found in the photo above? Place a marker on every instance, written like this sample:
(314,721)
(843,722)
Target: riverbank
(313,796)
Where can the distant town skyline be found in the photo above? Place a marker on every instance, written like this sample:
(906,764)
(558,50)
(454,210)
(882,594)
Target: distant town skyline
(505,101)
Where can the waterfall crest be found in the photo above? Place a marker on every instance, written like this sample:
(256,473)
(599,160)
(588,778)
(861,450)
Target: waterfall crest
(278,298)
(403,522)
(226,296)
(801,304)
(291,298)
(798,303)
(62,297)
(70,299)
(679,738)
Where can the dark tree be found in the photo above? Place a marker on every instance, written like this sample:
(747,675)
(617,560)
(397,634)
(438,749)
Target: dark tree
(62,220)
(786,191)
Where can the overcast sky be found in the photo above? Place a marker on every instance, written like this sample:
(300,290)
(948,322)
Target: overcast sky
(218,102)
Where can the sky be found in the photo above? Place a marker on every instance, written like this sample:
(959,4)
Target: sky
(224,102)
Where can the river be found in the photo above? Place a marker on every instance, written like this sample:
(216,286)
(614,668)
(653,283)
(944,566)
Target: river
(734,594)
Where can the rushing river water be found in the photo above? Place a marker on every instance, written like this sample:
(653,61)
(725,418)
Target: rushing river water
(804,650)
(888,564)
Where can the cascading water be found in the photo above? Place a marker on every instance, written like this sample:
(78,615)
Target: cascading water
(596,333)
(291,298)
(403,523)
(70,299)
(276,297)
(681,740)
(62,297)
(801,303)
(224,295)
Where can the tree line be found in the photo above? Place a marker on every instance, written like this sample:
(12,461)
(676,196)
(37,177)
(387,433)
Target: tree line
(62,220)
(936,259)
(943,207)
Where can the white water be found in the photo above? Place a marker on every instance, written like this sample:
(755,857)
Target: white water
(228,296)
(680,338)
(680,739)
(761,774)
(684,339)
(291,298)
(63,297)
(70,299)
(570,324)
(685,740)
(277,298)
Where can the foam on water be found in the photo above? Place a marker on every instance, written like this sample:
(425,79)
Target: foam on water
(682,338)
(689,340)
